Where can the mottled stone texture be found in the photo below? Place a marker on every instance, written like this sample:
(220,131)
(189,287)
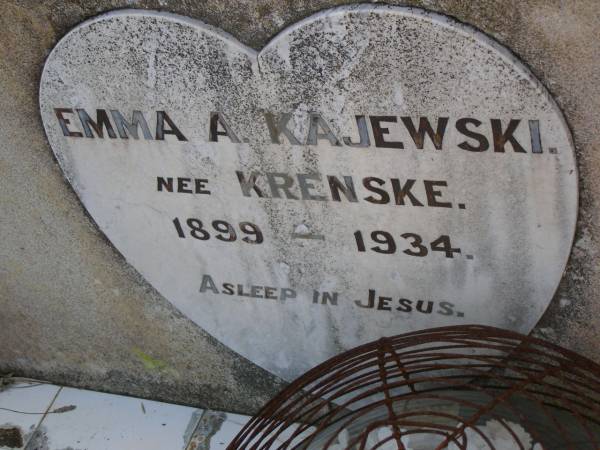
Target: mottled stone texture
(73,312)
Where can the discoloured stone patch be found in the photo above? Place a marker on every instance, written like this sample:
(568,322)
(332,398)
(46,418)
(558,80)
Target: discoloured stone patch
(148,361)
(210,423)
(192,425)
(10,437)
(37,439)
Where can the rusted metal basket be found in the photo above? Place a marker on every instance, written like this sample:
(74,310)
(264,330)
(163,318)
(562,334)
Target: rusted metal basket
(464,387)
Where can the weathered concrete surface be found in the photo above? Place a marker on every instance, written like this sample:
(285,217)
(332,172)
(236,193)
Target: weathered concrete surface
(73,312)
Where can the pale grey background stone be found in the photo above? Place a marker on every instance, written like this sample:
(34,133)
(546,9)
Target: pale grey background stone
(73,312)
(520,208)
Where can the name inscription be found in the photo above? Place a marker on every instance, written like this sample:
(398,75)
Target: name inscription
(494,134)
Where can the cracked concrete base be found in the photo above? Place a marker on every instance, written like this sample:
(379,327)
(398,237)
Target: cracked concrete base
(36,416)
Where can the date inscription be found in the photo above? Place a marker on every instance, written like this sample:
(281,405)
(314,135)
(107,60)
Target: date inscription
(220,229)
(386,244)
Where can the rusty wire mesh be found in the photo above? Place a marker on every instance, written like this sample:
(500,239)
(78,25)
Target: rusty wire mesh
(463,387)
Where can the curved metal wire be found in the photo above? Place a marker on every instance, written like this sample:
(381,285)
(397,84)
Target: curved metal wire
(457,388)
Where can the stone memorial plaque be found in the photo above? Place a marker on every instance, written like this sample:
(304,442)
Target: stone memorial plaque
(373,170)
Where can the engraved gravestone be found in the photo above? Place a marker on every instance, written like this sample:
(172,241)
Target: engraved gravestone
(373,170)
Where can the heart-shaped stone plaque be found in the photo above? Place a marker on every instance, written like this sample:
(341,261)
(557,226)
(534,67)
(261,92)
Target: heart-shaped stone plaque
(373,170)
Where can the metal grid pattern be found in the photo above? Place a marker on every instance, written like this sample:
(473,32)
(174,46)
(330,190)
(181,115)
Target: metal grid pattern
(461,387)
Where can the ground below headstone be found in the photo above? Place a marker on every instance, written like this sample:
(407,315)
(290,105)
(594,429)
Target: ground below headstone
(40,416)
